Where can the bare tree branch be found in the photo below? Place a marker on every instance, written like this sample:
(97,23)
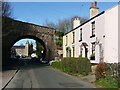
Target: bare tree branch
(6,9)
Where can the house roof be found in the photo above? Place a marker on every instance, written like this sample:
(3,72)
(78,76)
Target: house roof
(86,22)
(91,19)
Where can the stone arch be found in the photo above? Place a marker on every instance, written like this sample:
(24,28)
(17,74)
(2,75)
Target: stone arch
(14,30)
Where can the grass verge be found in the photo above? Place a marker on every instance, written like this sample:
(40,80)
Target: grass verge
(107,82)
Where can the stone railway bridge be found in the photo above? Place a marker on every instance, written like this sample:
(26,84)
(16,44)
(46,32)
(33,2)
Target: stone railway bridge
(13,30)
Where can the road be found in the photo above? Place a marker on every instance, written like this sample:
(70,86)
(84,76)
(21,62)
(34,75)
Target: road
(44,76)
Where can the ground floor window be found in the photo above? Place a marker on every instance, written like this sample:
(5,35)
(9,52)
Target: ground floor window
(73,51)
(81,52)
(68,52)
(92,57)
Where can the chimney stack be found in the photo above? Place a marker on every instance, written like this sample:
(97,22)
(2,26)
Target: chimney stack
(76,21)
(93,9)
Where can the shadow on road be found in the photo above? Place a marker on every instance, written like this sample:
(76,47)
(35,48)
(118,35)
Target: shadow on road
(15,64)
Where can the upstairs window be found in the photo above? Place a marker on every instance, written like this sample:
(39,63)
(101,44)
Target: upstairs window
(93,29)
(73,37)
(81,34)
(66,40)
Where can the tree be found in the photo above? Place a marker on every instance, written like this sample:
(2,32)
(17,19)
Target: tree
(64,25)
(39,49)
(49,24)
(59,41)
(6,9)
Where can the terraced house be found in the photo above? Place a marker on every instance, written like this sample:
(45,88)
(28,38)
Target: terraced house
(97,38)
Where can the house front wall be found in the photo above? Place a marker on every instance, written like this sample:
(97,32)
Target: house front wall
(64,46)
(68,43)
(85,38)
(99,37)
(77,38)
(111,35)
(87,32)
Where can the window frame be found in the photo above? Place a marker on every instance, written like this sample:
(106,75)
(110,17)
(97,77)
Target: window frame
(80,35)
(93,29)
(93,47)
(66,40)
(73,37)
(73,51)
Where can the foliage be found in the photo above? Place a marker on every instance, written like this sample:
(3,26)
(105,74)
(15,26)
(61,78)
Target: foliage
(107,82)
(100,71)
(60,34)
(59,41)
(39,48)
(74,65)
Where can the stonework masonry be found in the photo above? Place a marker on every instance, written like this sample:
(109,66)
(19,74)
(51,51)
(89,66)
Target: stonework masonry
(14,30)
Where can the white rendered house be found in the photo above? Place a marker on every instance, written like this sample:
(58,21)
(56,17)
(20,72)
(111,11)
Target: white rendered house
(97,38)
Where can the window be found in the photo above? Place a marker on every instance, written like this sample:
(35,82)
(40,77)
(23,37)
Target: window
(66,40)
(93,29)
(73,37)
(73,51)
(81,51)
(92,57)
(81,34)
(93,47)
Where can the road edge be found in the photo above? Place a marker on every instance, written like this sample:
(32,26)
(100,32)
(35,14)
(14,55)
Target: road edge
(10,80)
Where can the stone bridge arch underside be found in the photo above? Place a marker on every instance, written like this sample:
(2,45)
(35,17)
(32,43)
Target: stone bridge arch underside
(13,30)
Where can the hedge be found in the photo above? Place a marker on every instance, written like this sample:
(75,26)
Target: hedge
(73,65)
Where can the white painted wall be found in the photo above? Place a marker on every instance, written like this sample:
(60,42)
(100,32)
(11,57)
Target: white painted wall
(111,35)
(86,33)
(76,42)
(99,33)
(76,23)
(86,36)
(64,46)
(106,25)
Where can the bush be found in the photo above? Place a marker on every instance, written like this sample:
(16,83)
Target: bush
(74,65)
(85,66)
(100,71)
